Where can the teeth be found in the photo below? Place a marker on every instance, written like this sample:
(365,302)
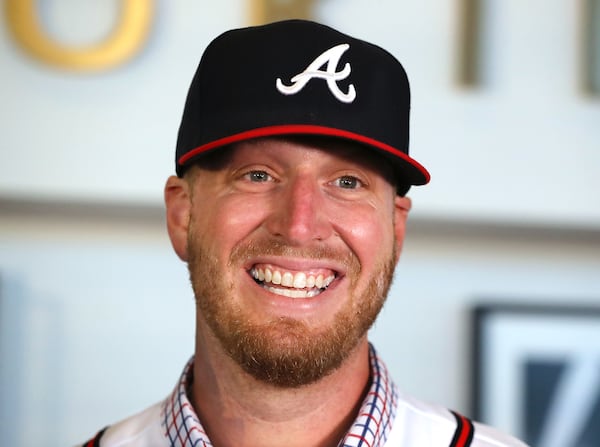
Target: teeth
(319,281)
(299,285)
(299,281)
(294,293)
(276,277)
(287,279)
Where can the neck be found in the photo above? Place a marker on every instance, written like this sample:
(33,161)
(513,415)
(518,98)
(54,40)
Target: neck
(237,410)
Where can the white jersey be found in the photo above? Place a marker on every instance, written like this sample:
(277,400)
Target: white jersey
(420,424)
(387,418)
(416,424)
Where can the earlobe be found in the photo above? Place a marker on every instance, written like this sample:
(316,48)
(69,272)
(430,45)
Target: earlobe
(402,207)
(178,203)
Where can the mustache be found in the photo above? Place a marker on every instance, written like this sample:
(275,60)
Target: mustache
(274,247)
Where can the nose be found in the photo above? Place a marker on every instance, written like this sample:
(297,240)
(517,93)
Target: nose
(299,213)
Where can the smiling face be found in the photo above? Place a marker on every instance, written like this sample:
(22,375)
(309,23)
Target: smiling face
(291,247)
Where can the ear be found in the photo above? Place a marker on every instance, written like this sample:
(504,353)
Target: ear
(402,207)
(178,203)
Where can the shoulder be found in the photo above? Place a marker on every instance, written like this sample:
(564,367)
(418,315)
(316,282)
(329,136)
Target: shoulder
(424,424)
(486,436)
(141,429)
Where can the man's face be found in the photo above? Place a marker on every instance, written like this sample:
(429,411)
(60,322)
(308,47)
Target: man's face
(291,250)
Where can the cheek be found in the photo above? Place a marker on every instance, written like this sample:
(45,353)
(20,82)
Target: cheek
(371,238)
(224,222)
(240,216)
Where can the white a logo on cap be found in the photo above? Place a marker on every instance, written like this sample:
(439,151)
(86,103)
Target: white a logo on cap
(332,58)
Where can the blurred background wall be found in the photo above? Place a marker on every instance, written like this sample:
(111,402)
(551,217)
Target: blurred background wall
(96,315)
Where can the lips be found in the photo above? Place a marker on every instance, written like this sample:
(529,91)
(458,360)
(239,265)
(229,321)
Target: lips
(292,284)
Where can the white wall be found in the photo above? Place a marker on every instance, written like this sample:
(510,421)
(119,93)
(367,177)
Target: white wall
(96,323)
(522,147)
(96,316)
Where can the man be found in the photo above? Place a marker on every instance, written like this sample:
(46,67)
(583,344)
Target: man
(289,207)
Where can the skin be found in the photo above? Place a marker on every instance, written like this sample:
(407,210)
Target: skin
(326,208)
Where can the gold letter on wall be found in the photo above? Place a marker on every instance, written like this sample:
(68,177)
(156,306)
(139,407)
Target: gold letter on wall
(271,10)
(468,57)
(124,41)
(591,47)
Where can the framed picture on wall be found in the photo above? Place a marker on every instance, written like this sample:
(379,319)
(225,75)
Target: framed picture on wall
(536,372)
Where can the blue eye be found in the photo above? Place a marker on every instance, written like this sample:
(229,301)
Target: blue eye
(348,182)
(258,176)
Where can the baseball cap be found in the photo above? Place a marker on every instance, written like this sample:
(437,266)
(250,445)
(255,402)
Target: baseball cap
(298,77)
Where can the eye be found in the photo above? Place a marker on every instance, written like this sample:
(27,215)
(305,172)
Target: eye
(348,182)
(258,176)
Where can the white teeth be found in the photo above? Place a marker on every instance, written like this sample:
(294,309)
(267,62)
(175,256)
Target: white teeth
(276,277)
(299,281)
(319,281)
(287,279)
(298,286)
(294,293)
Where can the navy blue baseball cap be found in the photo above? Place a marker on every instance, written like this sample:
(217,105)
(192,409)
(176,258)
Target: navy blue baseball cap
(298,77)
